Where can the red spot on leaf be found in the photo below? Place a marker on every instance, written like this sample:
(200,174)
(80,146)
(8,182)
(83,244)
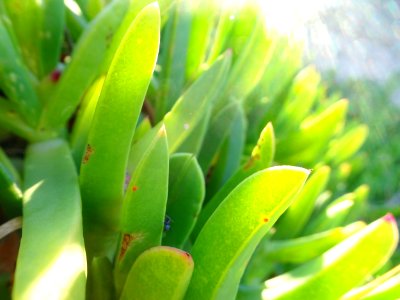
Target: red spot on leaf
(265,220)
(134,188)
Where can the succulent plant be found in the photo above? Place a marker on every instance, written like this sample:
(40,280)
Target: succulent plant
(168,147)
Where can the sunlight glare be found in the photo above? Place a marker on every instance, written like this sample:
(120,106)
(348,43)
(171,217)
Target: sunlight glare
(55,282)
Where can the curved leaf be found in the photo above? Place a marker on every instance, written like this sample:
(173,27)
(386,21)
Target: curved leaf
(144,205)
(339,269)
(226,242)
(51,263)
(159,273)
(185,197)
(104,164)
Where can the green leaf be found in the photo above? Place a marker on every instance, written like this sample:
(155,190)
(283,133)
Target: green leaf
(308,247)
(10,193)
(307,144)
(173,58)
(333,215)
(252,59)
(85,64)
(75,21)
(299,213)
(203,15)
(191,107)
(382,287)
(100,285)
(144,205)
(15,80)
(84,118)
(195,140)
(159,273)
(339,269)
(38,26)
(347,145)
(217,132)
(301,97)
(104,163)
(51,261)
(261,158)
(185,197)
(226,242)
(230,155)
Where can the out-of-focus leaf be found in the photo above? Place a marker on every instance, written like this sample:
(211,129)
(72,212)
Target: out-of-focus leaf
(298,214)
(308,247)
(339,269)
(347,145)
(382,287)
(307,144)
(333,215)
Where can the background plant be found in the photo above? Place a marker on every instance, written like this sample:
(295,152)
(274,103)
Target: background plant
(157,139)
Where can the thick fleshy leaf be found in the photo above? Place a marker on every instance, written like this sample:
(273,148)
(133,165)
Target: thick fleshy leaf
(104,163)
(84,118)
(298,214)
(306,145)
(173,58)
(84,66)
(144,205)
(333,215)
(159,273)
(219,127)
(230,154)
(261,158)
(15,80)
(203,14)
(339,269)
(347,145)
(191,107)
(10,193)
(38,26)
(382,287)
(100,284)
(228,239)
(301,97)
(53,267)
(185,197)
(308,247)
(252,57)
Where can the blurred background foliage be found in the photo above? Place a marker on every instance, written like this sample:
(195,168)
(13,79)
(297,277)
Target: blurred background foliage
(356,47)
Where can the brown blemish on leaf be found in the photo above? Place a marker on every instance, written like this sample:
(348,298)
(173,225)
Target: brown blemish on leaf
(265,220)
(134,188)
(89,151)
(126,241)
(251,161)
